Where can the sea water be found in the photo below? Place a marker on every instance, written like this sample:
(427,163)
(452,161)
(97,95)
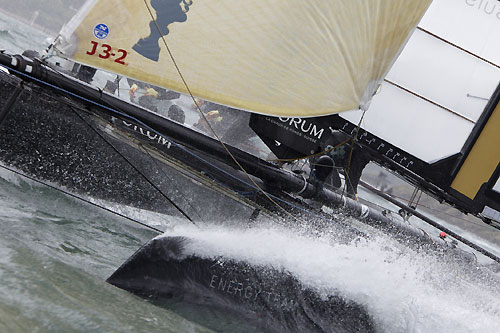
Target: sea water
(56,253)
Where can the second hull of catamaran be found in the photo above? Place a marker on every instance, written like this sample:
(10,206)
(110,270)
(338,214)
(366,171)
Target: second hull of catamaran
(271,297)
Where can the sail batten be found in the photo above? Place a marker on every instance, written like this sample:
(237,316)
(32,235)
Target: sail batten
(289,58)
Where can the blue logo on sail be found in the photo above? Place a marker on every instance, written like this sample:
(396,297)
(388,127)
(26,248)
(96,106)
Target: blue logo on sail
(101,31)
(167,12)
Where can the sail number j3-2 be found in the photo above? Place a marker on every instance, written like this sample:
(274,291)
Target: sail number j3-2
(106,52)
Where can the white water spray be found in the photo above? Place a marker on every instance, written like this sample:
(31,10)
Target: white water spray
(403,290)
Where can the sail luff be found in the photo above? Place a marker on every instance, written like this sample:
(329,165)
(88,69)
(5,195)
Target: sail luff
(289,58)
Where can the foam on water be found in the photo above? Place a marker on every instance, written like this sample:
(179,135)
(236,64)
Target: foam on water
(403,290)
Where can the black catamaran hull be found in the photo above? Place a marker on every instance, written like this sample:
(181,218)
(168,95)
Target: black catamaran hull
(59,129)
(273,298)
(57,138)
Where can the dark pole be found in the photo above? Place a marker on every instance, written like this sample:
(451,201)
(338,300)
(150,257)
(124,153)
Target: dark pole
(430,221)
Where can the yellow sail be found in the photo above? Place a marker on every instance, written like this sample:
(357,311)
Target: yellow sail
(277,57)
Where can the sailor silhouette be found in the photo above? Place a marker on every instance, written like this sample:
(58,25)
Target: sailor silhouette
(167,12)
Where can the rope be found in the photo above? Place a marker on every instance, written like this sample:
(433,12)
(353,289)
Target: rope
(348,179)
(480,224)
(170,180)
(413,203)
(80,198)
(354,139)
(208,123)
(134,167)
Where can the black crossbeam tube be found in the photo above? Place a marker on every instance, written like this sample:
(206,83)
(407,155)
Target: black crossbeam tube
(430,221)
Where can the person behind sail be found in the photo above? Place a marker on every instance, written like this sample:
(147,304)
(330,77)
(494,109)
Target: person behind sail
(176,114)
(150,90)
(231,125)
(148,99)
(338,147)
(150,94)
(211,114)
(214,119)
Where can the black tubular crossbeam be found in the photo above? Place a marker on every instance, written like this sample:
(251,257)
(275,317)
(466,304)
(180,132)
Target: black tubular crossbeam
(431,222)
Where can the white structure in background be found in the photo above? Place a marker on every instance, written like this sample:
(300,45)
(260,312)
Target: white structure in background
(439,86)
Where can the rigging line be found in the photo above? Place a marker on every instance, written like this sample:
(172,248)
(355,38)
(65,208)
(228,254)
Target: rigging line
(458,47)
(80,198)
(434,210)
(414,201)
(207,122)
(133,166)
(354,139)
(349,180)
(478,97)
(439,211)
(428,100)
(170,180)
(412,198)
(110,109)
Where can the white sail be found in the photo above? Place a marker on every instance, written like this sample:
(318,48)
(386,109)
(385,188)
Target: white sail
(294,57)
(440,84)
